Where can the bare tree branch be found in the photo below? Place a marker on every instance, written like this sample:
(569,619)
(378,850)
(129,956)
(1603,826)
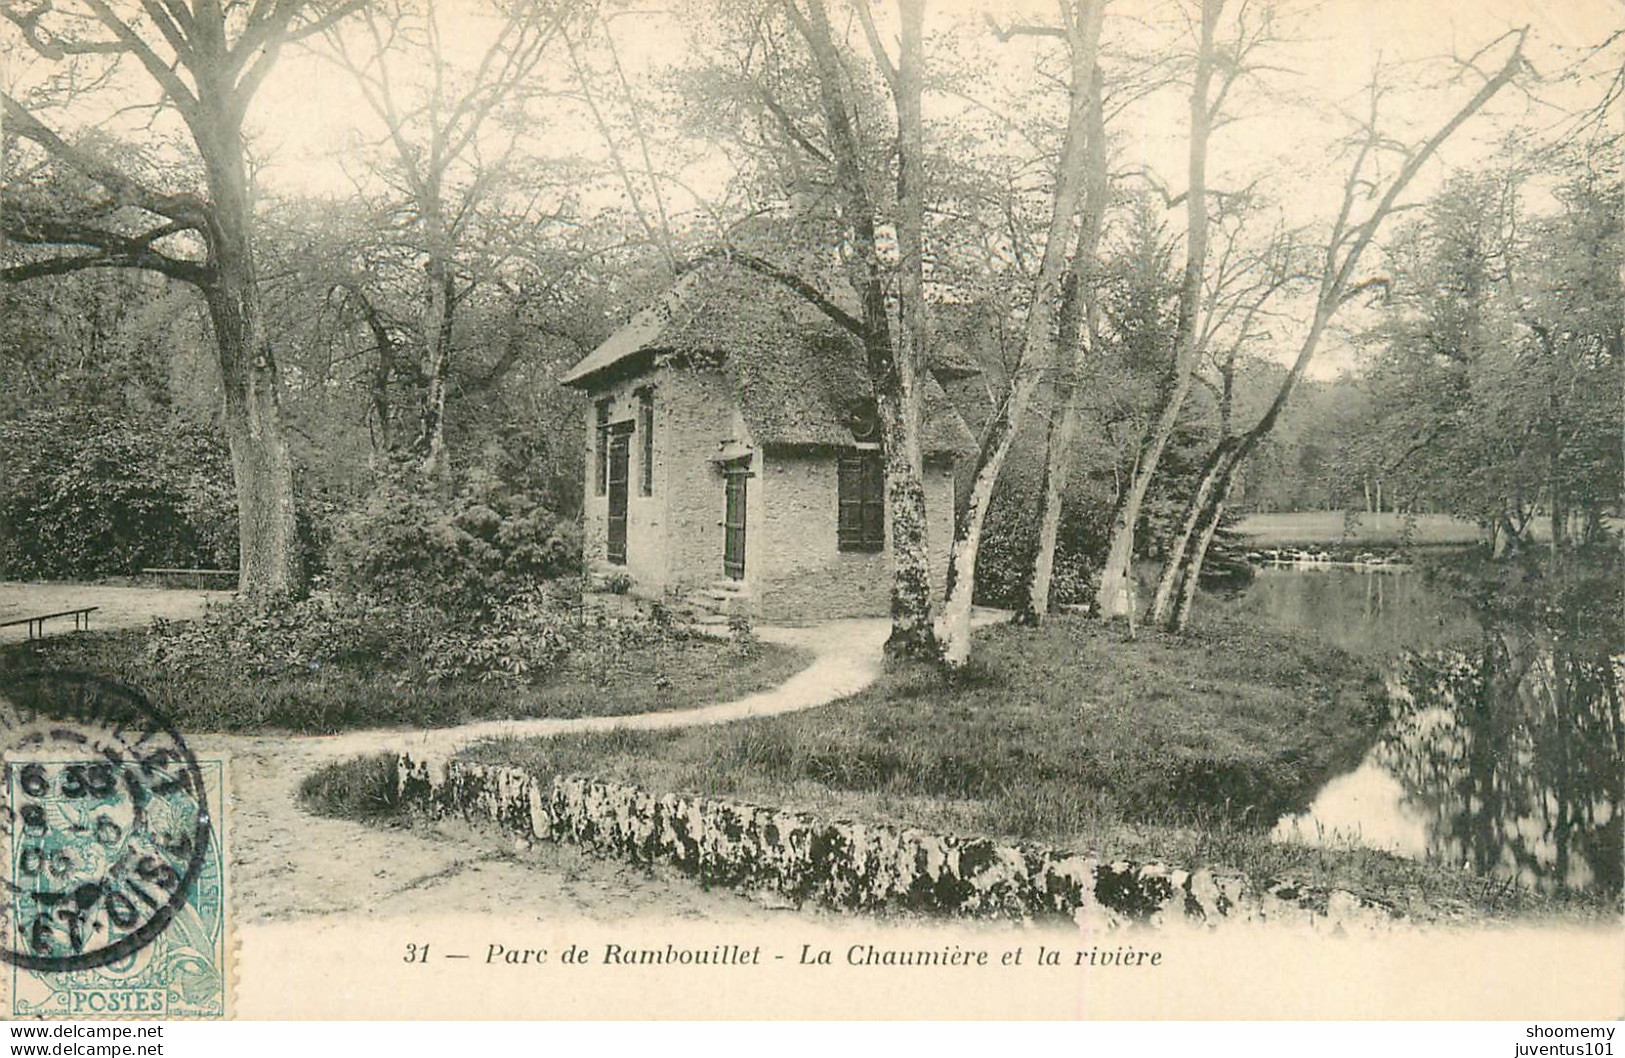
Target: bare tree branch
(106,249)
(794,283)
(126,190)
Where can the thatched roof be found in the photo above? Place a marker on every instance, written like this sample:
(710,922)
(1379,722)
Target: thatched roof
(799,376)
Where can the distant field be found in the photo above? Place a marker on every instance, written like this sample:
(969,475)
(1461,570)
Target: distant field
(1376,530)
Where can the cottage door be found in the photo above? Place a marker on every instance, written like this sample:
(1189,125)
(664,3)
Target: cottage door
(620,444)
(733,521)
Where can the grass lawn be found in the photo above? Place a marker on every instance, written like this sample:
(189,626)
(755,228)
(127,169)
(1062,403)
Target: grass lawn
(1296,528)
(1068,734)
(674,674)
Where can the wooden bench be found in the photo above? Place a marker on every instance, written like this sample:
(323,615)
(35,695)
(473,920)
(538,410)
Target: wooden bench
(197,575)
(36,624)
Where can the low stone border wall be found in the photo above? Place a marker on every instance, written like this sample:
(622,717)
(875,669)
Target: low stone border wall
(858,866)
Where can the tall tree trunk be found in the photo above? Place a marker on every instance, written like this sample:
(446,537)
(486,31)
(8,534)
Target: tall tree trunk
(439,303)
(1345,244)
(383,376)
(892,372)
(1176,587)
(1554,443)
(1114,597)
(1037,343)
(1079,303)
(1193,570)
(912,633)
(905,476)
(1059,440)
(1196,530)
(262,465)
(226,50)
(437,323)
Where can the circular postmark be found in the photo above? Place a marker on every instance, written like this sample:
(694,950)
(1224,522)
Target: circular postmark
(104,821)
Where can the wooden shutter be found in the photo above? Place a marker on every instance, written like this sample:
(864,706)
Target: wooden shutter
(874,502)
(861,487)
(849,518)
(600,469)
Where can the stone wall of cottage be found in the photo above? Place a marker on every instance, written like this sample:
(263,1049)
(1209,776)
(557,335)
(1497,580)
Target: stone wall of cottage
(803,575)
(854,866)
(701,416)
(795,570)
(674,536)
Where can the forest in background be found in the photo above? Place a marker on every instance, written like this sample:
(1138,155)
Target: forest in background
(359,385)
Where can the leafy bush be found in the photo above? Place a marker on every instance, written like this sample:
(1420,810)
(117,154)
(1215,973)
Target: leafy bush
(285,637)
(741,629)
(83,494)
(460,548)
(520,639)
(524,638)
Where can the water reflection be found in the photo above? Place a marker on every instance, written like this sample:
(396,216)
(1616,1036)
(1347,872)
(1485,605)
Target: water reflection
(1513,753)
(1376,612)
(1505,754)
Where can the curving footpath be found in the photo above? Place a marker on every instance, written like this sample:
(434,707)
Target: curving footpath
(846,659)
(286,862)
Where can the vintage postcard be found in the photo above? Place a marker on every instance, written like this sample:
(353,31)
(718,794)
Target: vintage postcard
(785,509)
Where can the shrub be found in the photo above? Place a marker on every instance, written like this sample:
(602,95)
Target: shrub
(84,494)
(1009,543)
(461,548)
(525,637)
(741,630)
(521,638)
(604,642)
(284,637)
(362,789)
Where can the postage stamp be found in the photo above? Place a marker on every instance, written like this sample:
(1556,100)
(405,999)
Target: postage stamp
(115,880)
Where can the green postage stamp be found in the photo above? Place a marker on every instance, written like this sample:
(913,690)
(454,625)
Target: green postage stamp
(116,887)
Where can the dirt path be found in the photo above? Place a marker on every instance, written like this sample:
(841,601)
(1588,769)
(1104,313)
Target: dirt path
(287,863)
(118,607)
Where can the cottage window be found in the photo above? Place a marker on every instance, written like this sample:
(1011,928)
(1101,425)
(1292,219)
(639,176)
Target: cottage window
(646,429)
(861,519)
(600,469)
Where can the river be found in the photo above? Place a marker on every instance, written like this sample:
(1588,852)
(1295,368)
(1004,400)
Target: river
(1504,751)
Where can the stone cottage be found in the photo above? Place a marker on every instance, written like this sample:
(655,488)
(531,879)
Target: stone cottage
(733,462)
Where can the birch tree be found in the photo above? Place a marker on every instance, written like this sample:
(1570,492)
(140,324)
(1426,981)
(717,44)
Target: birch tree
(1114,598)
(1366,204)
(204,61)
(1081,25)
(894,365)
(1077,337)
(824,123)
